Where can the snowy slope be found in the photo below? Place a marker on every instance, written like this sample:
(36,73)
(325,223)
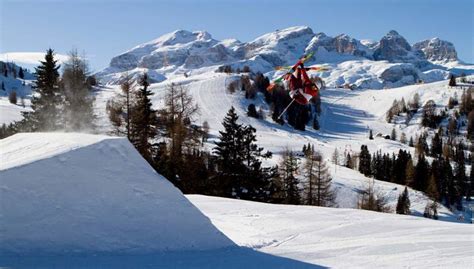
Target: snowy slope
(341,238)
(77,193)
(12,83)
(345,122)
(10,112)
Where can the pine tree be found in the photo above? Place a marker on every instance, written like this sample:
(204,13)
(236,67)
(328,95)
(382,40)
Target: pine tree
(257,181)
(288,170)
(144,120)
(318,190)
(471,176)
(403,204)
(453,194)
(460,171)
(21,73)
(411,143)
(229,150)
(371,136)
(315,123)
(348,161)
(47,101)
(452,81)
(436,145)
(422,171)
(393,136)
(415,103)
(470,125)
(365,161)
(399,169)
(377,165)
(252,111)
(240,172)
(335,157)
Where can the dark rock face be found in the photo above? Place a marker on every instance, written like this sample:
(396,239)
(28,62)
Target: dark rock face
(392,47)
(342,44)
(437,50)
(125,61)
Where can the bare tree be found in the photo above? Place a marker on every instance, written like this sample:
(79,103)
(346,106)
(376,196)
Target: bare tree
(119,108)
(371,199)
(318,188)
(78,112)
(178,114)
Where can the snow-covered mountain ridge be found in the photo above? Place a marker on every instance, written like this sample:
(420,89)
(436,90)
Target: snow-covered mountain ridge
(185,52)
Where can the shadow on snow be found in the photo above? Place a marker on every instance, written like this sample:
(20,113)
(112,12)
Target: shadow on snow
(233,257)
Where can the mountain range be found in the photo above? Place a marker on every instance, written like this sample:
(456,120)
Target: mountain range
(390,62)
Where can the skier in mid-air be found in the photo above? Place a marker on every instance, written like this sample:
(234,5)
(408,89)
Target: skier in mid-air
(301,88)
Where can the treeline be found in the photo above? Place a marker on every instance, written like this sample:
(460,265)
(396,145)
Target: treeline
(228,69)
(432,117)
(59,102)
(453,80)
(12,70)
(444,180)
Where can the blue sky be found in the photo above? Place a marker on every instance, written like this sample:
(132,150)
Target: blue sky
(105,28)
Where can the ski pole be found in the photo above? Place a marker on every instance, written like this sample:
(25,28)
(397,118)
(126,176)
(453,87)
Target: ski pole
(284,110)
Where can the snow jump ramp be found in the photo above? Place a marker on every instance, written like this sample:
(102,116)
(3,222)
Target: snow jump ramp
(79,193)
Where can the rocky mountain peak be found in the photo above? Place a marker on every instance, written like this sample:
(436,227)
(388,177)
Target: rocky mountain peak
(436,49)
(392,47)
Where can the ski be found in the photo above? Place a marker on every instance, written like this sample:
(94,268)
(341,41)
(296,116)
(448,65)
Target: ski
(309,68)
(302,60)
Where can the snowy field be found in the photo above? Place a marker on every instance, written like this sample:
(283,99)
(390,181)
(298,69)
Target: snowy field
(341,238)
